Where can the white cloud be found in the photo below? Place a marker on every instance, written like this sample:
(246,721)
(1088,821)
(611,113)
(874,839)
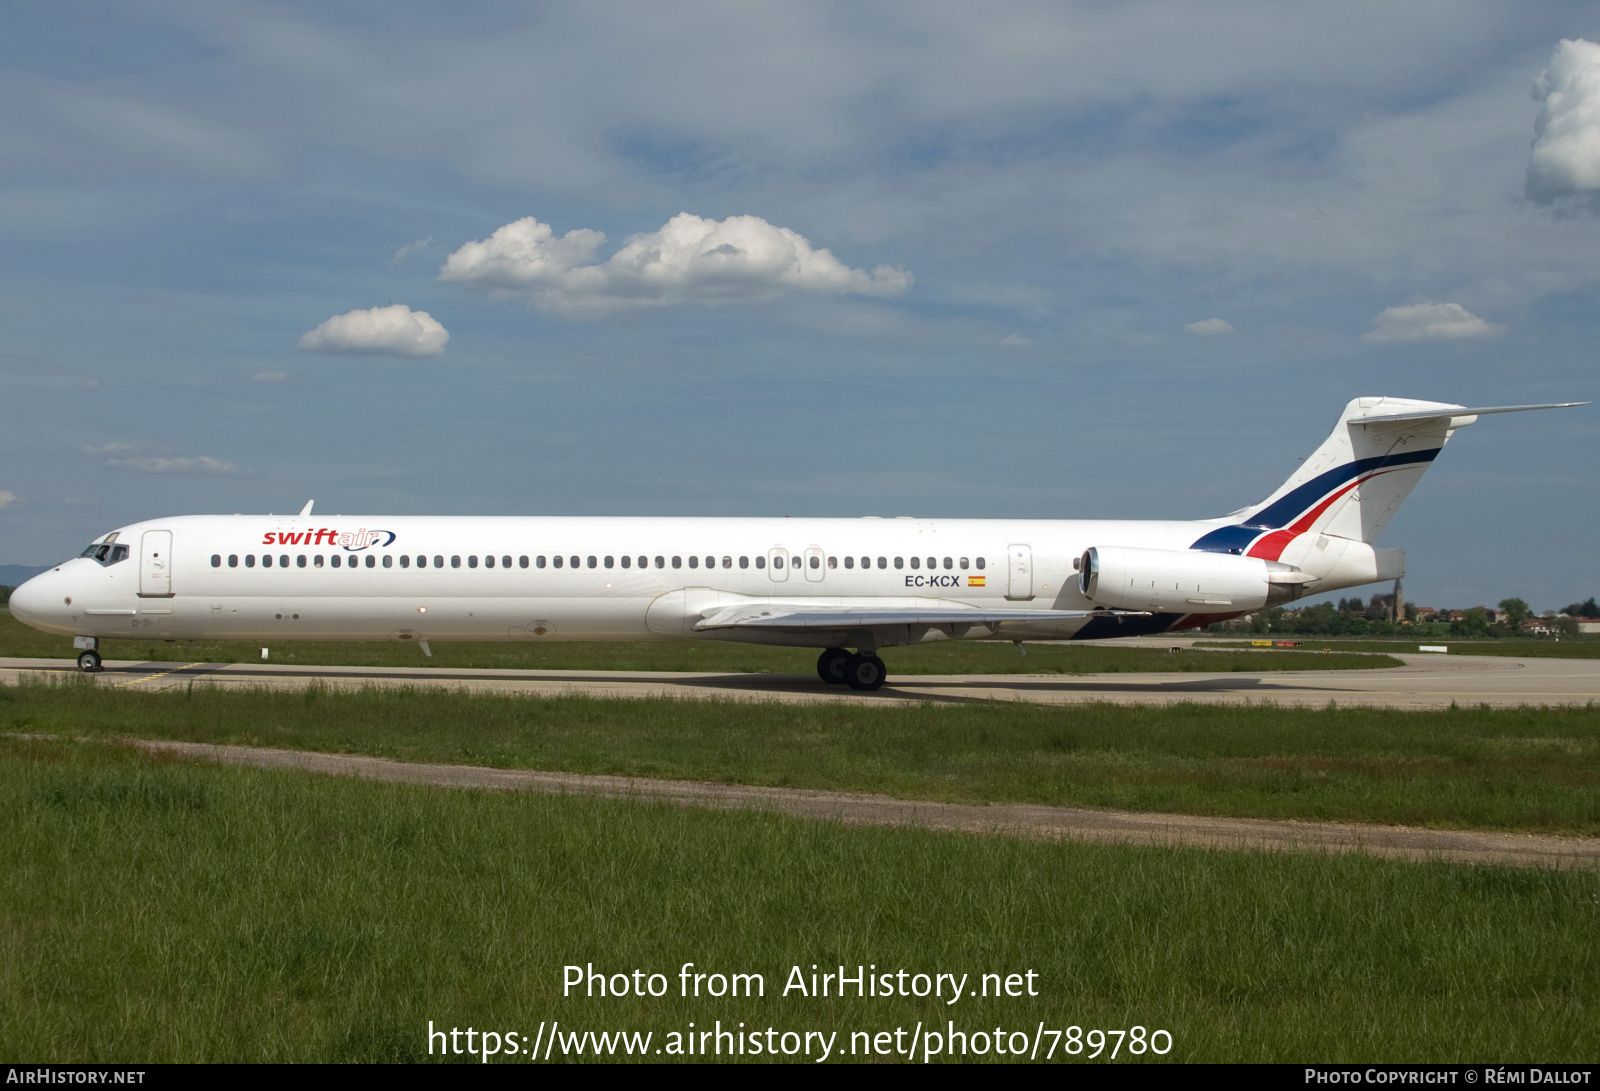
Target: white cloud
(204,464)
(689,260)
(395,330)
(109,449)
(7,498)
(408,249)
(1209,327)
(1015,341)
(1566,148)
(271,376)
(1429,322)
(523,254)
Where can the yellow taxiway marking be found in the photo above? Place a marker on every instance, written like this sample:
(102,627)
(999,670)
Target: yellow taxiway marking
(153,677)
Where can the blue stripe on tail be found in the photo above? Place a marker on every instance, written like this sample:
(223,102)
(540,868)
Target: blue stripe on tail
(1289,507)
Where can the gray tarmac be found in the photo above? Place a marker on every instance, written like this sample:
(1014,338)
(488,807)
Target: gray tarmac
(1426,681)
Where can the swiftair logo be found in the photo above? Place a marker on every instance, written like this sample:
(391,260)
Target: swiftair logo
(352,542)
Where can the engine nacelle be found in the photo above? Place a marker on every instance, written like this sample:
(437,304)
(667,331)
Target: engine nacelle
(1185,581)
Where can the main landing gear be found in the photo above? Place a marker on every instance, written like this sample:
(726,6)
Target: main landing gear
(838,667)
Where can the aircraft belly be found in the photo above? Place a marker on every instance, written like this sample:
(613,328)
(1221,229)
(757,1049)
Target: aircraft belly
(1102,628)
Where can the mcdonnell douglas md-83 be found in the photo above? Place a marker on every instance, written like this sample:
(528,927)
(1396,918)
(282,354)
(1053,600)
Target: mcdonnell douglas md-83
(833,584)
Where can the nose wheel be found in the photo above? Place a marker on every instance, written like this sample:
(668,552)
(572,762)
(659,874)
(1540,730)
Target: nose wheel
(89,662)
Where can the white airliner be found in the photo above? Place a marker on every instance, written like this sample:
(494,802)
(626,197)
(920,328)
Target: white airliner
(834,584)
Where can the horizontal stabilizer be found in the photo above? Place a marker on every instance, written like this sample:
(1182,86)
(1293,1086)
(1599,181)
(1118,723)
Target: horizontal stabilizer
(1460,411)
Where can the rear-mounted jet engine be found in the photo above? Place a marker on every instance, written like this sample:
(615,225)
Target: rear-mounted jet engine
(1185,581)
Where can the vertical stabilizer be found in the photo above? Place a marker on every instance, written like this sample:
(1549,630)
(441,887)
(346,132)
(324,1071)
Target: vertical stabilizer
(1352,484)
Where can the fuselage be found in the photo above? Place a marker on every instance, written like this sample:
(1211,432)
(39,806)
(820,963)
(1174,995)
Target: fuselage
(578,578)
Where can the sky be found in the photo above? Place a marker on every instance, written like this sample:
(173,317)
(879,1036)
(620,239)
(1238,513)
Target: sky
(1017,260)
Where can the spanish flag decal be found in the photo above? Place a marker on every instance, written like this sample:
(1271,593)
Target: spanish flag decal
(976,581)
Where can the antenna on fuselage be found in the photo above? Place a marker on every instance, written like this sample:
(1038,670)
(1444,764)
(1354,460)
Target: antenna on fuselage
(307,509)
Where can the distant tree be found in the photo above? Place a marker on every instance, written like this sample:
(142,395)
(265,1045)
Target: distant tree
(1324,620)
(1265,621)
(1583,609)
(1516,612)
(1475,623)
(5,594)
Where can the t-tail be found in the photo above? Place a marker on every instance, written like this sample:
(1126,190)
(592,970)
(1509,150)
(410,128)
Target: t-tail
(1326,518)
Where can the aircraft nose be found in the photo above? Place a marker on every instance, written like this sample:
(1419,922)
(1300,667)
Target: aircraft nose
(28,602)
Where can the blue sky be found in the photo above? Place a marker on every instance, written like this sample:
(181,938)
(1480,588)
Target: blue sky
(1022,206)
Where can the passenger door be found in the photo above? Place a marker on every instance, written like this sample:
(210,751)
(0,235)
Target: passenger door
(1020,582)
(155,564)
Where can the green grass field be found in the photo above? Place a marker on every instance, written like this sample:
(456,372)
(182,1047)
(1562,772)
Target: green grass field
(156,911)
(950,657)
(1524,769)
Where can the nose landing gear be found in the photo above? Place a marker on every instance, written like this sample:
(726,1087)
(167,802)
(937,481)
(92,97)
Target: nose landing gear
(89,662)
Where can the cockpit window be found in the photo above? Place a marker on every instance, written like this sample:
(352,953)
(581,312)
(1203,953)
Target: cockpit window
(104,553)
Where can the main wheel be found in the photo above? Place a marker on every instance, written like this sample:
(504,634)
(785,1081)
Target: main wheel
(89,662)
(864,672)
(831,666)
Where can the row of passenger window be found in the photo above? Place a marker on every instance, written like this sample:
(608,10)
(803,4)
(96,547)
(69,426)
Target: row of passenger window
(575,561)
(372,561)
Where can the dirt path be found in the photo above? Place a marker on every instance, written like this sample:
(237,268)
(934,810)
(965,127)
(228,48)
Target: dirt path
(1019,820)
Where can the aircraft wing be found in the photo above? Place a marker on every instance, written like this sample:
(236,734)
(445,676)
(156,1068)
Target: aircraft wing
(810,618)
